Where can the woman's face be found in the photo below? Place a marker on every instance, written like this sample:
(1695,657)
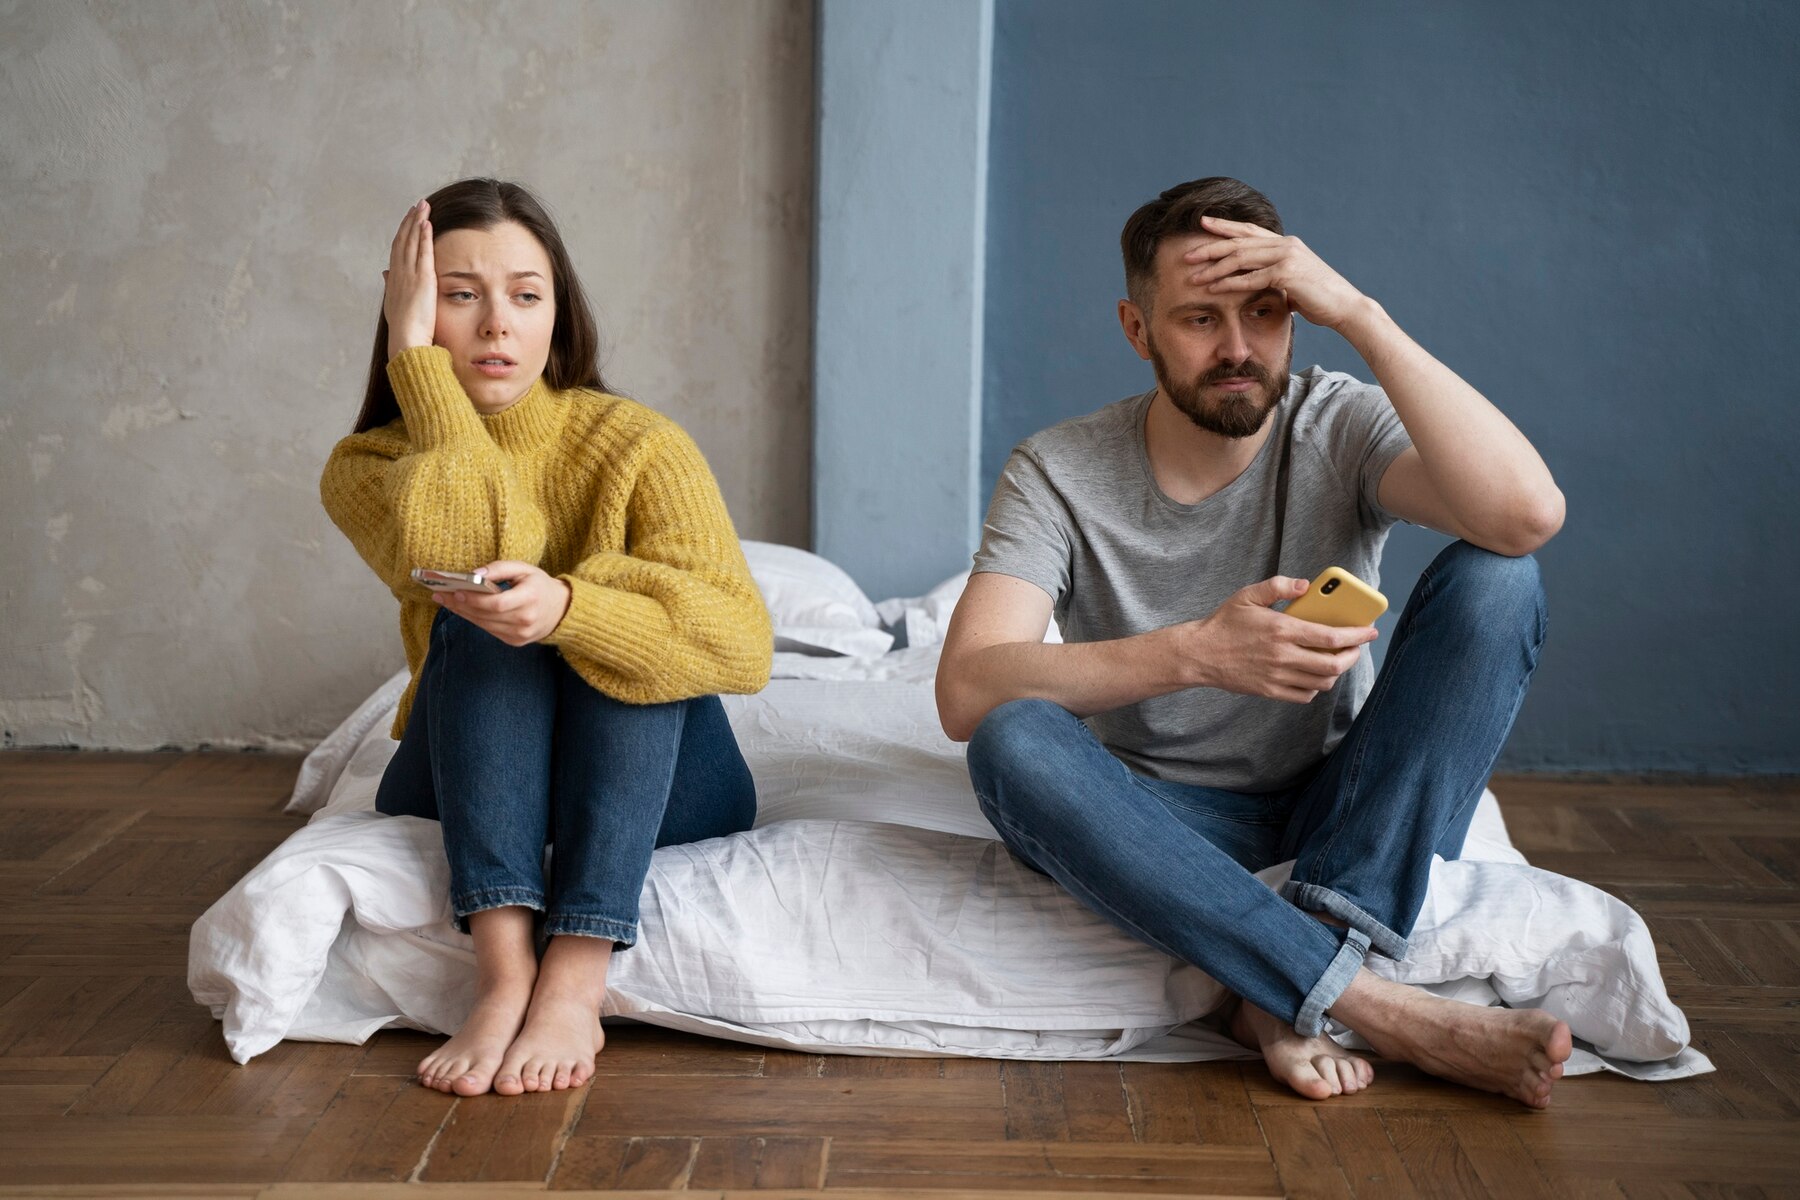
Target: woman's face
(496,307)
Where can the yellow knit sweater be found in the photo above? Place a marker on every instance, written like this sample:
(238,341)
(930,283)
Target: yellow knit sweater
(608,496)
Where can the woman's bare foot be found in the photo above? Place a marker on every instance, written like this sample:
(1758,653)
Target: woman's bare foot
(507,968)
(1517,1052)
(561,1037)
(1317,1067)
(555,1050)
(467,1063)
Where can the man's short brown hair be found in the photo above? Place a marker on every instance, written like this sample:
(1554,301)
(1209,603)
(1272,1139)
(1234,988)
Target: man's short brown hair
(1178,211)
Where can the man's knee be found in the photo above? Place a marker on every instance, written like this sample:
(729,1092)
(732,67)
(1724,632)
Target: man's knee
(1493,591)
(1014,734)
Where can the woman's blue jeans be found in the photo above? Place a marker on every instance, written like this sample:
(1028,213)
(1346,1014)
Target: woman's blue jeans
(512,750)
(1171,864)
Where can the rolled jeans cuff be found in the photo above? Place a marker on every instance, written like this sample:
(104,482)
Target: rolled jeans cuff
(1331,985)
(467,904)
(1310,897)
(621,933)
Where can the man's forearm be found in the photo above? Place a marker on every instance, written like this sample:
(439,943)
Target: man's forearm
(1085,678)
(1487,474)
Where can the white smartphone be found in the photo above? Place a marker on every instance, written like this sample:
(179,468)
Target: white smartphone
(456,581)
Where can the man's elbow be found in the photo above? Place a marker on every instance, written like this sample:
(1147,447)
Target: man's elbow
(1532,524)
(957,710)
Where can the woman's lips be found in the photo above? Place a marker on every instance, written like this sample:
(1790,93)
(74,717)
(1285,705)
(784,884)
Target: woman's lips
(495,368)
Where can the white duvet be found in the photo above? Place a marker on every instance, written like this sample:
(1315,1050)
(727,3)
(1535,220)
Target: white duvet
(871,911)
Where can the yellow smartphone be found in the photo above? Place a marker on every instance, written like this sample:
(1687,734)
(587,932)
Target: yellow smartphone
(1340,599)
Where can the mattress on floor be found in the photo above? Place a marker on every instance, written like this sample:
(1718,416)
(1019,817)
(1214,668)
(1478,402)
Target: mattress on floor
(871,911)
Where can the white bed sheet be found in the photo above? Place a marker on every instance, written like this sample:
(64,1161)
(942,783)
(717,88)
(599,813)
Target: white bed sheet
(870,912)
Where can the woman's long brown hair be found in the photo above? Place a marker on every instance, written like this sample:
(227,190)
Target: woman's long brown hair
(574,339)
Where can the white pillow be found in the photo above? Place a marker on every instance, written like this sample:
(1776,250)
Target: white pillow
(926,618)
(815,606)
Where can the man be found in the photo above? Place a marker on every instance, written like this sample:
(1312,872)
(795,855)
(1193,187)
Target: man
(1188,733)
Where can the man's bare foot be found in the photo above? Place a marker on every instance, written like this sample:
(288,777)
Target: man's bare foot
(465,1065)
(556,1048)
(1517,1052)
(1316,1067)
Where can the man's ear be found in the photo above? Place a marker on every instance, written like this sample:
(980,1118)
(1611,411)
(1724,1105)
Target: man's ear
(1133,320)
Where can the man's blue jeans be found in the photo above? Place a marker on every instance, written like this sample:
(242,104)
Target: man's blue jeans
(512,750)
(1171,864)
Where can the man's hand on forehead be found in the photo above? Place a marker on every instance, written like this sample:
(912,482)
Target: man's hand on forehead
(1246,258)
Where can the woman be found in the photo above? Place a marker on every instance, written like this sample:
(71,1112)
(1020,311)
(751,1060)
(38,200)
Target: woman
(577,707)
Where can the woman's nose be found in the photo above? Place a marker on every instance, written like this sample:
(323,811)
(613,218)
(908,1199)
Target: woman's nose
(493,321)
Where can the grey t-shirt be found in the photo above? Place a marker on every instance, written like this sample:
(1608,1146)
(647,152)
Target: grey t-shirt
(1078,513)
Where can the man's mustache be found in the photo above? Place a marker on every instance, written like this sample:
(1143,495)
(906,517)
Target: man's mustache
(1248,369)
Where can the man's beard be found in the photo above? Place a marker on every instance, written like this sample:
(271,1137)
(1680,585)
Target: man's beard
(1233,414)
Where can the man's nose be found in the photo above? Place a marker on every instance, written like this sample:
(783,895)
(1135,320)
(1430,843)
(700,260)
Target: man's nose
(1233,348)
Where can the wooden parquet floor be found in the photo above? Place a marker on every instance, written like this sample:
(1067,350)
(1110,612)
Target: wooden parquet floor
(113,1082)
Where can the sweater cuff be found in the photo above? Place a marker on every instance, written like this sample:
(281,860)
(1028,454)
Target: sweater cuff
(624,632)
(432,401)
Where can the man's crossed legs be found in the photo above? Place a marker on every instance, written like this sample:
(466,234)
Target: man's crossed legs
(1172,864)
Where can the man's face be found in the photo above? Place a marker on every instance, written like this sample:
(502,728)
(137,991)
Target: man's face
(1222,358)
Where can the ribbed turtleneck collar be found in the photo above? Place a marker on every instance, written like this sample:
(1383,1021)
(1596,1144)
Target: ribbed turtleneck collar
(528,422)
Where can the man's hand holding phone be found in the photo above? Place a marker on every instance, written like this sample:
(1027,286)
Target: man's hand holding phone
(1247,647)
(528,611)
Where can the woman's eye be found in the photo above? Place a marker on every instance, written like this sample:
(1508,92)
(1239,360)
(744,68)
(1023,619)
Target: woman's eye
(528,297)
(461,294)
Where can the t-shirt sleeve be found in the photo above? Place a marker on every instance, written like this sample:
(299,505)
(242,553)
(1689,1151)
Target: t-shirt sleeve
(1363,437)
(1028,533)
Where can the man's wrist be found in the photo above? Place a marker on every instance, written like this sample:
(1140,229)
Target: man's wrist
(1365,324)
(1174,658)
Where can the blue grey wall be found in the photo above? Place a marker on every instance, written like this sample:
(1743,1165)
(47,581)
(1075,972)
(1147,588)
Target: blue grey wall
(1587,210)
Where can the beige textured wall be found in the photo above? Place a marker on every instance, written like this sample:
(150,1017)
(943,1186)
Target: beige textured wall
(197,203)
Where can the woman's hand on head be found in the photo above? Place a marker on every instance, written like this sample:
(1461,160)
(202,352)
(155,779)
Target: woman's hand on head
(529,611)
(410,302)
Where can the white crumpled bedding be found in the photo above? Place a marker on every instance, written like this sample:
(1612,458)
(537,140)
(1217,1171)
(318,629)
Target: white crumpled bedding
(870,912)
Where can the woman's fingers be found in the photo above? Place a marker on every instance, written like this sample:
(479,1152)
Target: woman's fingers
(422,231)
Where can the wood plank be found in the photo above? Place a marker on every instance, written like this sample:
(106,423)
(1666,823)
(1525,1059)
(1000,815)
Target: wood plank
(538,1124)
(1305,1161)
(648,1050)
(665,1106)
(1370,1164)
(1095,1105)
(790,1162)
(38,1099)
(150,1149)
(1050,1166)
(376,1127)
(1500,1160)
(1032,1093)
(1606,1146)
(134,1078)
(1434,1160)
(616,1163)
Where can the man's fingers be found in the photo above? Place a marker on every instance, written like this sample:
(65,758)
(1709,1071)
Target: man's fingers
(1242,259)
(1331,638)
(1235,228)
(1250,281)
(1271,590)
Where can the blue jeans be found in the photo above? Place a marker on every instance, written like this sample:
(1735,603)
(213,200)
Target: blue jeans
(1171,864)
(512,750)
